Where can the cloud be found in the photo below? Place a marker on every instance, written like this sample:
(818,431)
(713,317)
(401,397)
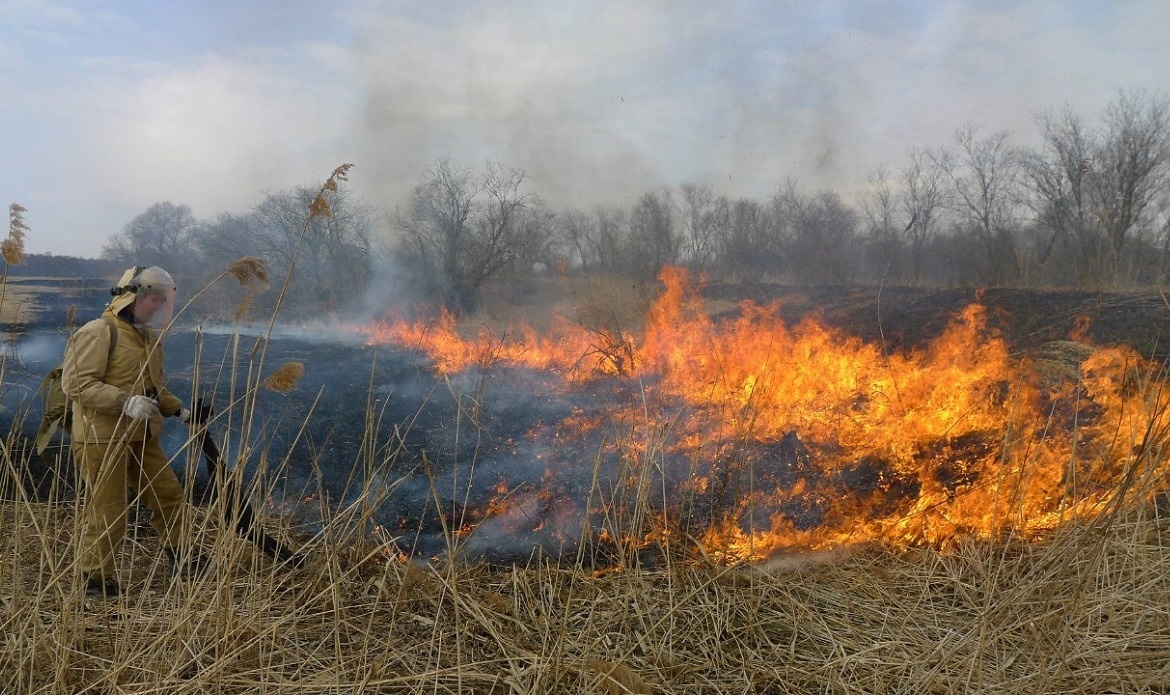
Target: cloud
(221,133)
(597,102)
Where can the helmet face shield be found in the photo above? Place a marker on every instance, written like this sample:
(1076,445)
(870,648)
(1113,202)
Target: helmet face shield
(155,307)
(150,294)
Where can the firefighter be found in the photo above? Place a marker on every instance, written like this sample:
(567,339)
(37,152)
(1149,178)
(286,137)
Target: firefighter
(113,374)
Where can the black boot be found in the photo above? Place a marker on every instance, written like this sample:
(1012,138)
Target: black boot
(187,565)
(97,587)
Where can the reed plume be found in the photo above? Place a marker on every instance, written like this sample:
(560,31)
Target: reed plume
(252,274)
(12,248)
(320,206)
(285,378)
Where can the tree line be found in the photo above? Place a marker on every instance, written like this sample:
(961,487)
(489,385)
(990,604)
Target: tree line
(1089,207)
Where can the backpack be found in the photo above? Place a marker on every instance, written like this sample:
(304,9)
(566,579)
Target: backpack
(58,411)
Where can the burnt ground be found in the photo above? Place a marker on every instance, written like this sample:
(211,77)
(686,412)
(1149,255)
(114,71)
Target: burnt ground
(342,378)
(903,317)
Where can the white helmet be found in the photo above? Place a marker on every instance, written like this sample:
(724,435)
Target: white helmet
(138,282)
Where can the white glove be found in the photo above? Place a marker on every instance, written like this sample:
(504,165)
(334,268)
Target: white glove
(140,408)
(185,416)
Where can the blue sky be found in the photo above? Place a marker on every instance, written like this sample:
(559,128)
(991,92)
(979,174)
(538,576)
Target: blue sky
(111,107)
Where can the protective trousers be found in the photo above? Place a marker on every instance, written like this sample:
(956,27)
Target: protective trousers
(109,470)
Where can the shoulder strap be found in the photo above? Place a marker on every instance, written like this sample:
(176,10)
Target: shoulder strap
(54,374)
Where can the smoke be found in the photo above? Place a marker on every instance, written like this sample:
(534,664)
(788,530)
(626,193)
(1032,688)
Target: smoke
(599,104)
(397,285)
(581,98)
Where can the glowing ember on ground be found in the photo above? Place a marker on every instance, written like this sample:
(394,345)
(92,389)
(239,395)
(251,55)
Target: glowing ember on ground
(750,435)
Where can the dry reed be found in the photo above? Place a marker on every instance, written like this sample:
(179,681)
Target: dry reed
(12,248)
(252,274)
(1084,612)
(284,379)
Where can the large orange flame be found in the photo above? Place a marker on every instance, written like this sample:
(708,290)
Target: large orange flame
(816,438)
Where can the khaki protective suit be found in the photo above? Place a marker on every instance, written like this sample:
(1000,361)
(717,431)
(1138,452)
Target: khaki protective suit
(114,453)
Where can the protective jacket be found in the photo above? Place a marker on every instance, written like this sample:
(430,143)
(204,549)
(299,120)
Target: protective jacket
(98,381)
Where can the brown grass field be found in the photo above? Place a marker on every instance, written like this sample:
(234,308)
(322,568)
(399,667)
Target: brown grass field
(1084,610)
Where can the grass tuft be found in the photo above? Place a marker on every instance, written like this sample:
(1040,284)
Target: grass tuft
(284,379)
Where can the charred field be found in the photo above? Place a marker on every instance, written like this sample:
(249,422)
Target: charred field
(643,508)
(506,454)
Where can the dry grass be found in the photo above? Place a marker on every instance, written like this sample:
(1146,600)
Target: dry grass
(285,377)
(1085,612)
(594,302)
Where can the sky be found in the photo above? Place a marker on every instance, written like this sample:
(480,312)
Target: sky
(110,107)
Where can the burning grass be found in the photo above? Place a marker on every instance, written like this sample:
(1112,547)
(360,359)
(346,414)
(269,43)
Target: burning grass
(758,435)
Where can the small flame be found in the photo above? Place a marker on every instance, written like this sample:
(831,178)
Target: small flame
(1080,330)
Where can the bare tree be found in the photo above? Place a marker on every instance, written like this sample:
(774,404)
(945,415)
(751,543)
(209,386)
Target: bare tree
(982,174)
(1055,177)
(162,235)
(334,258)
(1092,191)
(580,233)
(613,238)
(439,219)
(654,242)
(498,240)
(462,225)
(698,217)
(881,209)
(230,237)
(745,246)
(540,239)
(922,201)
(824,241)
(1131,168)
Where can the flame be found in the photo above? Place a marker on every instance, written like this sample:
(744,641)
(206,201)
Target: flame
(773,436)
(1080,330)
